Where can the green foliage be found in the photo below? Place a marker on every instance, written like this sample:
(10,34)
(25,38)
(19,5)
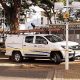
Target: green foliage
(76,0)
(35,1)
(60,17)
(64,1)
(25,6)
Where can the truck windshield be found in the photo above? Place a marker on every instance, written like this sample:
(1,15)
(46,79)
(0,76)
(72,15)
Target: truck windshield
(53,38)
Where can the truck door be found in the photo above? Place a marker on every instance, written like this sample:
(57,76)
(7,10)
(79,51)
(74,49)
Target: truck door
(28,45)
(41,47)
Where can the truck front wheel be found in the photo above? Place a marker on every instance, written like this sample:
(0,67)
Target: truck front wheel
(17,57)
(56,58)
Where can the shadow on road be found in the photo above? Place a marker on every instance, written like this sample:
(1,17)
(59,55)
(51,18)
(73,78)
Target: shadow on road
(39,61)
(29,61)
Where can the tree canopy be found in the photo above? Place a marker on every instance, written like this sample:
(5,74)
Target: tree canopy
(11,8)
(47,6)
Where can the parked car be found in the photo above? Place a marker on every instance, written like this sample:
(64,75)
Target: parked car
(77,55)
(34,46)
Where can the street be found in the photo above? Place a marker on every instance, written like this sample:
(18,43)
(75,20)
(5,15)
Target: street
(22,74)
(38,70)
(29,70)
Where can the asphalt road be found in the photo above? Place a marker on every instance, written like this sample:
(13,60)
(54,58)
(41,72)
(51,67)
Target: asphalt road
(29,70)
(26,70)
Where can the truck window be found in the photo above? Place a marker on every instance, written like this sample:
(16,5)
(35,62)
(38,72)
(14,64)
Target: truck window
(53,38)
(29,39)
(40,40)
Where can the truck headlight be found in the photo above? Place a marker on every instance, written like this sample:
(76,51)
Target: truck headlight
(77,47)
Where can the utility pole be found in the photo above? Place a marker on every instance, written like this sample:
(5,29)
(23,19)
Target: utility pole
(67,32)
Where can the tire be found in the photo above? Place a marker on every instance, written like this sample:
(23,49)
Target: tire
(56,58)
(17,57)
(10,57)
(72,59)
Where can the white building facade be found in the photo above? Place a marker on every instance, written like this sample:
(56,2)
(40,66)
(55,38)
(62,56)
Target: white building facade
(35,16)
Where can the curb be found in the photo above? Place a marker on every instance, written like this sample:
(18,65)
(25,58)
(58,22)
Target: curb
(16,65)
(27,65)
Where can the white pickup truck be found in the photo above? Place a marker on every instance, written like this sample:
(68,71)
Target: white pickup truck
(34,46)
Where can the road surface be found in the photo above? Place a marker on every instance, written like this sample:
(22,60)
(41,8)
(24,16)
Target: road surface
(29,70)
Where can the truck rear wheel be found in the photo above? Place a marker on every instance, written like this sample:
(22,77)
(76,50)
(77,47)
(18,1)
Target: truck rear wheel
(17,57)
(56,58)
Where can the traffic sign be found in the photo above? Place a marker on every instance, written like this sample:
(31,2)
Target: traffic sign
(66,15)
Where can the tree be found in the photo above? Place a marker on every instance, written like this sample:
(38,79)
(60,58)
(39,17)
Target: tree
(47,6)
(11,10)
(64,1)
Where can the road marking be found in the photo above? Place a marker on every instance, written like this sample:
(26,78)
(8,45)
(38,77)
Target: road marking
(16,65)
(18,78)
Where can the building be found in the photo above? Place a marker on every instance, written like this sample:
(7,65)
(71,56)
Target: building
(36,16)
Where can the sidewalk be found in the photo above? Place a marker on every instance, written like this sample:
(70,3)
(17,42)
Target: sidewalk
(72,74)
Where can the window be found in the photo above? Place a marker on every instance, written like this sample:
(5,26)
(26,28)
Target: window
(77,36)
(40,40)
(53,38)
(29,39)
(41,20)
